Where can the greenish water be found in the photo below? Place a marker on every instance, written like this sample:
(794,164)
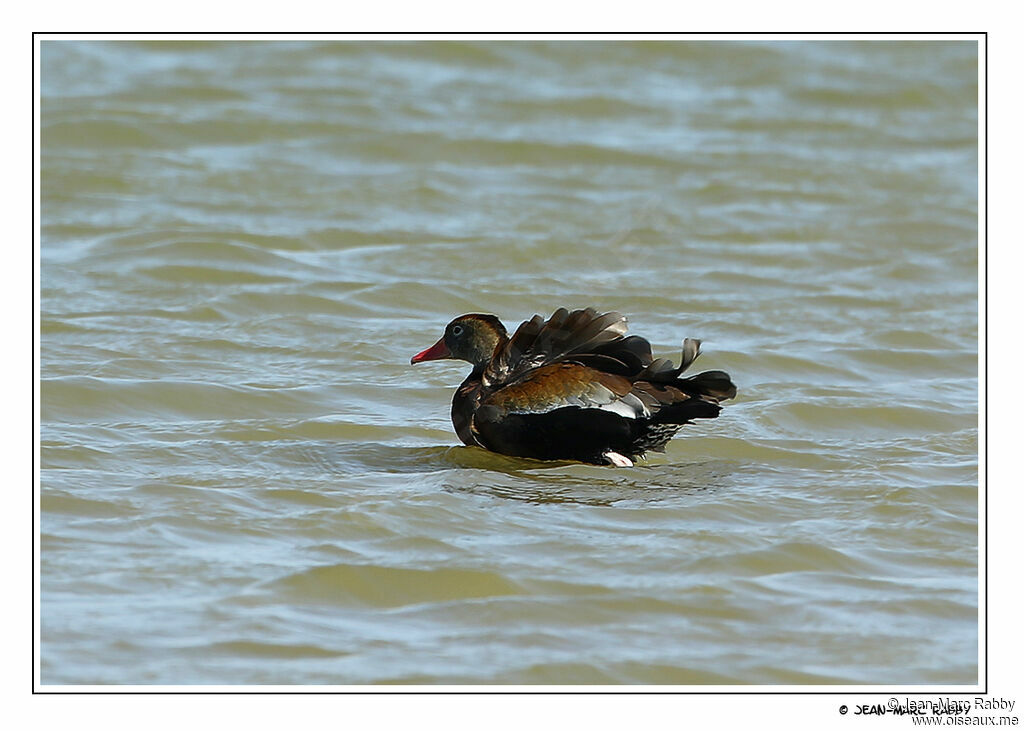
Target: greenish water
(244,481)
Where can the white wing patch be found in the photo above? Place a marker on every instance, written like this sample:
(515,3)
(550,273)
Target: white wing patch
(629,406)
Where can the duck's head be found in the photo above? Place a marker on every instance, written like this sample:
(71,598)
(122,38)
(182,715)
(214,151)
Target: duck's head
(471,338)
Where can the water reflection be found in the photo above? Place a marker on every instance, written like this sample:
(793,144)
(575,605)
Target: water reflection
(589,485)
(477,471)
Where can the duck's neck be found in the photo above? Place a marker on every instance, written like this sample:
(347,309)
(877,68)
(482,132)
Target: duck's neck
(468,396)
(465,403)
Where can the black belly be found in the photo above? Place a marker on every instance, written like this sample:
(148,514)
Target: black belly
(569,433)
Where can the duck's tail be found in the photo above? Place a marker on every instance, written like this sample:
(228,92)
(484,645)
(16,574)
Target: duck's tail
(683,412)
(714,386)
(710,384)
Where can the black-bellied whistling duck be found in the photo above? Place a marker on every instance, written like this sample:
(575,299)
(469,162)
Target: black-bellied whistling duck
(573,387)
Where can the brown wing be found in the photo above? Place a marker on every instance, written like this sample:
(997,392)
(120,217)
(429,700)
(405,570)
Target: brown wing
(558,385)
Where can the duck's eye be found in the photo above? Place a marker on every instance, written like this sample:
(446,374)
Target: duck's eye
(457,330)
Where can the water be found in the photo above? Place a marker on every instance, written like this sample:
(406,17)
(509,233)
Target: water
(243,481)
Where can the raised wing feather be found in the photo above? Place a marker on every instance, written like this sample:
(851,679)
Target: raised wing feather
(537,342)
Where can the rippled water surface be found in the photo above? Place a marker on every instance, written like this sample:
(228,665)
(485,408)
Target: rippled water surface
(244,481)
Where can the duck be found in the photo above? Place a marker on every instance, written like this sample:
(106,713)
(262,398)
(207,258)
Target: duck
(573,387)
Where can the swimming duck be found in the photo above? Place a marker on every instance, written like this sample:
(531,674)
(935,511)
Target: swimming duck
(572,387)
